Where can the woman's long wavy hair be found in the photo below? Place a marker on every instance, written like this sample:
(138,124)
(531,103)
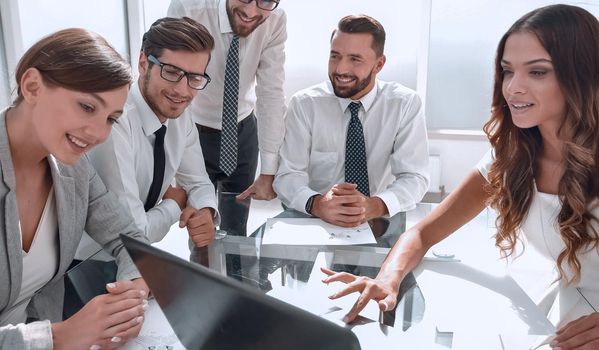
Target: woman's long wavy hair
(571,37)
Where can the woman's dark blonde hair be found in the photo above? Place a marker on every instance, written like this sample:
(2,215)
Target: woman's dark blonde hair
(571,37)
(75,59)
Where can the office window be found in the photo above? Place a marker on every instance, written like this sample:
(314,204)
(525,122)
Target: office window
(106,17)
(463,39)
(309,26)
(154,9)
(5,76)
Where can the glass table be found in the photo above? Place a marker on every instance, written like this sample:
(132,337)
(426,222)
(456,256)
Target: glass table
(269,268)
(479,300)
(247,260)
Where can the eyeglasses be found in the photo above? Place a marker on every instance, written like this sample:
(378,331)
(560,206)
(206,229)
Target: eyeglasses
(267,5)
(175,74)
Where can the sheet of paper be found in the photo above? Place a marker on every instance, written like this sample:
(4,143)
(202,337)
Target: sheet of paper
(313,231)
(156,332)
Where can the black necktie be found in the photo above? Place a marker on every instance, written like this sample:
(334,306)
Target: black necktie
(159,163)
(228,142)
(356,168)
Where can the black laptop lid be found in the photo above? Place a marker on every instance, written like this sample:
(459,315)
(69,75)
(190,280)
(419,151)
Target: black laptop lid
(209,311)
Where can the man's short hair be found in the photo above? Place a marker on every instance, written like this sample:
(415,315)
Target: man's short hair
(364,24)
(176,34)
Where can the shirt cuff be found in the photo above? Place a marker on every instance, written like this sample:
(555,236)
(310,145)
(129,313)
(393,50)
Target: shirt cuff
(126,269)
(215,217)
(172,209)
(391,201)
(299,202)
(269,163)
(38,335)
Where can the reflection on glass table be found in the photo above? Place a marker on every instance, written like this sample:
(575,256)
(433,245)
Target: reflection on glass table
(270,268)
(234,213)
(267,267)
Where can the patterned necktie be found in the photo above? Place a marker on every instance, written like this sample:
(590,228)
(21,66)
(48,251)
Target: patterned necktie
(228,142)
(159,163)
(356,168)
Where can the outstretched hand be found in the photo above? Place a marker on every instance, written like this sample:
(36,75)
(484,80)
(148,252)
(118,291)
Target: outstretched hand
(261,189)
(384,293)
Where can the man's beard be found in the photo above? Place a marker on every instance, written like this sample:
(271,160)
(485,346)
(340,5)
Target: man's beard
(242,31)
(348,92)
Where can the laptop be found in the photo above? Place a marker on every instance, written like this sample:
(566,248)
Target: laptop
(210,311)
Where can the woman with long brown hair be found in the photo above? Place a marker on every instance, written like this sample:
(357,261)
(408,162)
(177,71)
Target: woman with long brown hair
(72,86)
(542,173)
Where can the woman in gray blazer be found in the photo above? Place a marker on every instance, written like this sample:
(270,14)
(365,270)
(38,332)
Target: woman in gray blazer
(72,87)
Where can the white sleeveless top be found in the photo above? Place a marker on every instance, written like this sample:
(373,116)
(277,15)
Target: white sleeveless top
(564,303)
(40,263)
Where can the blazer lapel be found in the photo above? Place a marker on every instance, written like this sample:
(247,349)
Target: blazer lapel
(11,217)
(64,191)
(13,238)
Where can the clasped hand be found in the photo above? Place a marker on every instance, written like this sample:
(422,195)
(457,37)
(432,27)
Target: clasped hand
(343,205)
(199,222)
(200,225)
(107,321)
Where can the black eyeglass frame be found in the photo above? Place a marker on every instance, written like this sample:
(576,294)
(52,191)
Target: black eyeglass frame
(276,2)
(183,73)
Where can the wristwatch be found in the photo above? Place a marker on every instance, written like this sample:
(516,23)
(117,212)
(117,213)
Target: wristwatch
(309,204)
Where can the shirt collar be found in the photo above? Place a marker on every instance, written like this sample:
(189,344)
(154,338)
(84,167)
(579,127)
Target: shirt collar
(223,19)
(149,121)
(366,100)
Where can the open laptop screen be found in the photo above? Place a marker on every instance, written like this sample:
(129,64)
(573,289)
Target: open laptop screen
(210,311)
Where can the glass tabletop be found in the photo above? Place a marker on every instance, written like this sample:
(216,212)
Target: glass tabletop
(271,268)
(267,267)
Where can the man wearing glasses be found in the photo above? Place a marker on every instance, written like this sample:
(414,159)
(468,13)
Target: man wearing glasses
(156,142)
(242,110)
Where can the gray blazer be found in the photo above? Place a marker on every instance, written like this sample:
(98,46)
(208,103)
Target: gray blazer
(82,203)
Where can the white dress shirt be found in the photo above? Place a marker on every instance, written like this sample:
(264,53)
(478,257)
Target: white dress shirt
(313,152)
(40,263)
(261,74)
(125,162)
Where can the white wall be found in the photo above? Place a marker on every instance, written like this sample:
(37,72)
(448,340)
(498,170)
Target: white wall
(458,156)
(106,17)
